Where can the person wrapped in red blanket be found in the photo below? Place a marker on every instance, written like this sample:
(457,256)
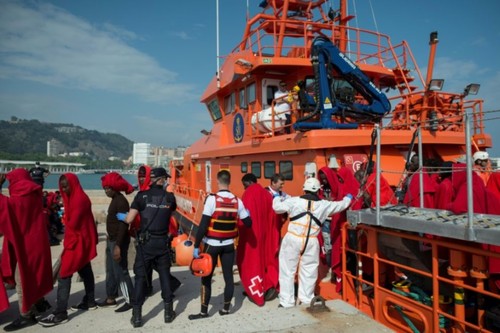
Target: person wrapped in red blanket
(80,247)
(257,252)
(26,254)
(484,202)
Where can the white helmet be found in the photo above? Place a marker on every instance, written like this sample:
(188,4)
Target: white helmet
(333,164)
(480,155)
(311,185)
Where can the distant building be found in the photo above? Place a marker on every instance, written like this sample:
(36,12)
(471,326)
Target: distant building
(141,153)
(495,163)
(54,148)
(144,153)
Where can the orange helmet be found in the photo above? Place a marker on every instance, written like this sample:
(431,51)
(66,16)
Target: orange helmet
(202,266)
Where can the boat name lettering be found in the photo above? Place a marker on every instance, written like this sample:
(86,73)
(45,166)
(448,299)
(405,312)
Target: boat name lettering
(353,66)
(374,87)
(184,204)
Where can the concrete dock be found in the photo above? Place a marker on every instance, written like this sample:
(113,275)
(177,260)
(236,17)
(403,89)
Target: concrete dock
(245,317)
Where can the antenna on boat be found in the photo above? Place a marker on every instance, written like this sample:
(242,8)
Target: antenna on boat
(248,11)
(217,39)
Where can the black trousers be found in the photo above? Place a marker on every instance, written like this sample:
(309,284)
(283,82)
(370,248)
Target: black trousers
(155,252)
(226,254)
(64,288)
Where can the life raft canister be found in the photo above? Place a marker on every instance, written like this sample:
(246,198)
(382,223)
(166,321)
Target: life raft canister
(223,222)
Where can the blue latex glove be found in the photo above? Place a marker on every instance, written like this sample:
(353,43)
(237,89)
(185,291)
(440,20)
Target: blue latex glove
(196,253)
(349,196)
(121,216)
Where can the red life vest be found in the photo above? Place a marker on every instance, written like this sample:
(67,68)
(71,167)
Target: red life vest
(223,222)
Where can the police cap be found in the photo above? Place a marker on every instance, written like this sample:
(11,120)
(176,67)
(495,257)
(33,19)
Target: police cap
(159,172)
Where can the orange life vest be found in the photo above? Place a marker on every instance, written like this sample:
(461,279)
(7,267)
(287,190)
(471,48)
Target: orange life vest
(223,222)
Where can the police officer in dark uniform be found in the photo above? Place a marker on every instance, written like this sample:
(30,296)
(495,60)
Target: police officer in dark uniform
(38,174)
(155,206)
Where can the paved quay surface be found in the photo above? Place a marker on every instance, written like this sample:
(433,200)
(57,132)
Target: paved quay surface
(246,316)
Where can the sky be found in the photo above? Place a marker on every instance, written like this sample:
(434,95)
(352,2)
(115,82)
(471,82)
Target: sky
(138,68)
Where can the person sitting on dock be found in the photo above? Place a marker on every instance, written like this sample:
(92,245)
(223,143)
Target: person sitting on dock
(257,252)
(300,246)
(218,229)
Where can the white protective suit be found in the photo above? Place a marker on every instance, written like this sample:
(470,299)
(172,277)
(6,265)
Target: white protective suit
(294,241)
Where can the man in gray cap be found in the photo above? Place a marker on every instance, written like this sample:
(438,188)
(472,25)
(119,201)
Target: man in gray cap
(155,207)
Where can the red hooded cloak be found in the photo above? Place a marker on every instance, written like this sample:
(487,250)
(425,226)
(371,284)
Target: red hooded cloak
(80,238)
(258,246)
(26,243)
(412,197)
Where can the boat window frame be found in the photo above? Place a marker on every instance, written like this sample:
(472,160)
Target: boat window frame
(256,171)
(242,99)
(251,93)
(230,103)
(244,167)
(271,174)
(216,114)
(285,173)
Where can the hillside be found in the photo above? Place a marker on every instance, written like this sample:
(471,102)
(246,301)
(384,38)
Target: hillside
(20,137)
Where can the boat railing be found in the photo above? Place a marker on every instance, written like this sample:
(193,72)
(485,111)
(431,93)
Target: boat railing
(189,201)
(405,280)
(439,111)
(293,38)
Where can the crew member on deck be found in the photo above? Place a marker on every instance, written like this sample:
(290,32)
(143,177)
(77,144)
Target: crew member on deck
(282,106)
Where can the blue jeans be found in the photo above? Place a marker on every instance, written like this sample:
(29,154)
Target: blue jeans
(117,274)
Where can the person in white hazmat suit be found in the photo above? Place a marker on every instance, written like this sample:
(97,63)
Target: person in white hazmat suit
(300,246)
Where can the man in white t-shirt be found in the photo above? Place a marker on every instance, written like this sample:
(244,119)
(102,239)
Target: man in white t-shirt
(281,105)
(217,230)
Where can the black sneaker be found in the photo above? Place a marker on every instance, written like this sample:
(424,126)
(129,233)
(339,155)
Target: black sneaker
(107,303)
(42,306)
(124,308)
(200,315)
(20,323)
(54,319)
(85,306)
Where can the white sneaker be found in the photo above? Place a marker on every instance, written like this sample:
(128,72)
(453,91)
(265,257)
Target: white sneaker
(328,277)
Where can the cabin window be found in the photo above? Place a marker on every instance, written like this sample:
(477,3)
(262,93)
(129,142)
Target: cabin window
(286,169)
(270,90)
(256,169)
(229,103)
(213,107)
(244,167)
(269,169)
(251,93)
(243,99)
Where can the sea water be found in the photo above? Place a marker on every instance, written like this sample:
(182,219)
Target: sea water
(89,181)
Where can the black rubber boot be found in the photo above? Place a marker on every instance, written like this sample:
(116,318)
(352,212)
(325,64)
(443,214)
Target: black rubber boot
(136,319)
(169,312)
